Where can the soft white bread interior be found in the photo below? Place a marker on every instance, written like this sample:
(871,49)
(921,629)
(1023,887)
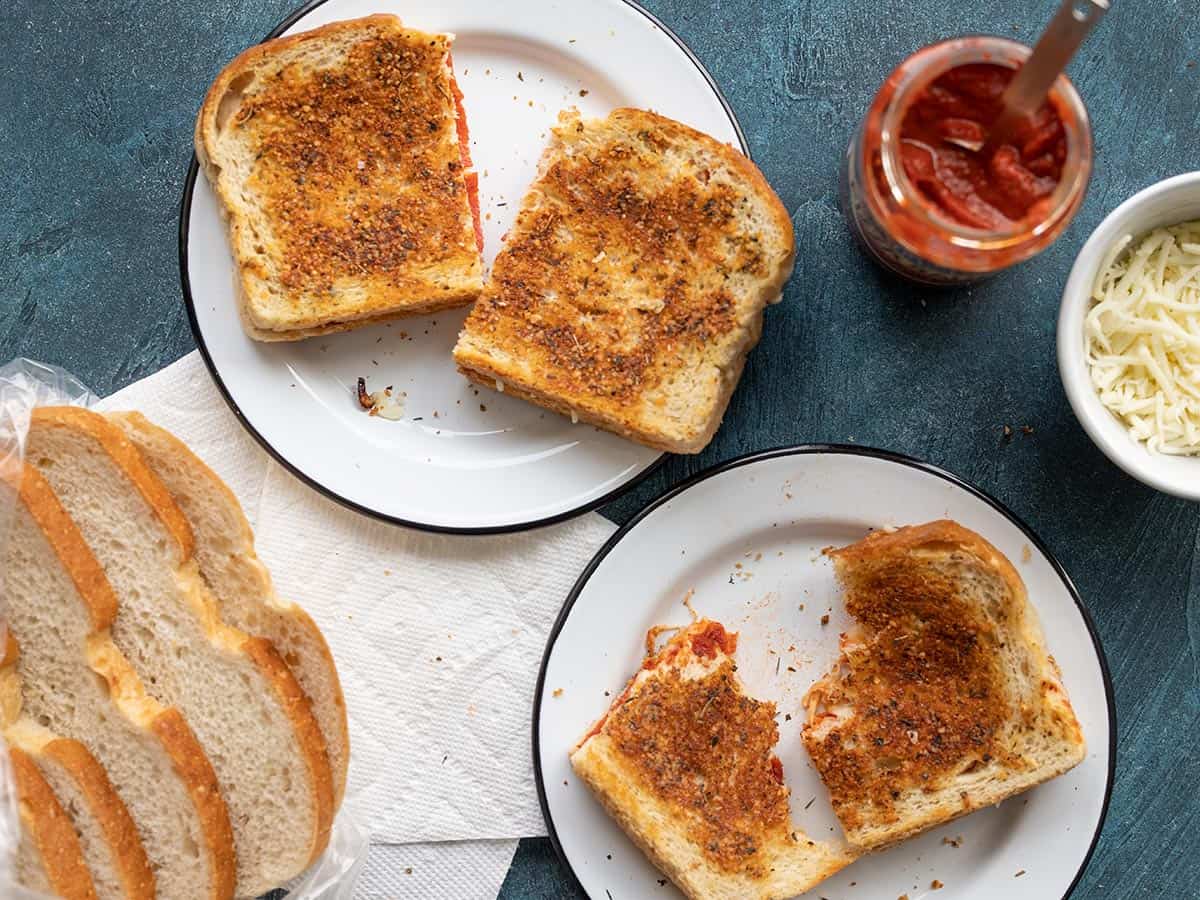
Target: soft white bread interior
(684,762)
(236,692)
(240,583)
(68,679)
(945,699)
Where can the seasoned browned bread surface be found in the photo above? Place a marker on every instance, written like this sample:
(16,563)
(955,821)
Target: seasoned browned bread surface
(335,155)
(684,762)
(944,699)
(633,281)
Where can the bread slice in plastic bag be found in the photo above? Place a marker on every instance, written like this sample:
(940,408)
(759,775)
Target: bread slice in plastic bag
(24,385)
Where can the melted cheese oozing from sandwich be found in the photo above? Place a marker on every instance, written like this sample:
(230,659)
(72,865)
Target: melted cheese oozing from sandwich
(1143,337)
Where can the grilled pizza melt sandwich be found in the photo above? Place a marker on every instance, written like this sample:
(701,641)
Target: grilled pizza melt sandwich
(684,762)
(633,282)
(339,158)
(944,699)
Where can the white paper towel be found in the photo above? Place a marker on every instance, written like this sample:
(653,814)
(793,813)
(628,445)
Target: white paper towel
(437,639)
(454,870)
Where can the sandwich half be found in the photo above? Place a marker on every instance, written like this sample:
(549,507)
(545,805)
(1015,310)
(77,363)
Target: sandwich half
(684,762)
(633,282)
(944,699)
(340,161)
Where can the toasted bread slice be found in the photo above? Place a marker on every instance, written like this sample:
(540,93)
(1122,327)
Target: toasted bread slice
(71,702)
(683,762)
(239,696)
(944,699)
(339,158)
(241,584)
(632,284)
(49,858)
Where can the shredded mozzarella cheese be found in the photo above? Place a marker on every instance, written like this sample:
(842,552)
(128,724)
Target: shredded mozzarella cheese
(1143,337)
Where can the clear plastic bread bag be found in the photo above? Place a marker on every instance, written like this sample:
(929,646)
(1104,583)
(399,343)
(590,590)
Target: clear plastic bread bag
(24,385)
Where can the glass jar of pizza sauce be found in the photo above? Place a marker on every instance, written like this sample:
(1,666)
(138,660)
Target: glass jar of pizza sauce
(928,200)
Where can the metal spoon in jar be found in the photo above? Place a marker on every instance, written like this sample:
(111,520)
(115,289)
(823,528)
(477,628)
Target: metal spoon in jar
(1072,23)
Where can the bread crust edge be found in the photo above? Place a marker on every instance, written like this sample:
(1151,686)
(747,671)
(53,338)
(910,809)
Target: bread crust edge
(135,421)
(110,812)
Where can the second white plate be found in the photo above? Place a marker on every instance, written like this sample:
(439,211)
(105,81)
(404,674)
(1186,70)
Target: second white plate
(462,459)
(747,538)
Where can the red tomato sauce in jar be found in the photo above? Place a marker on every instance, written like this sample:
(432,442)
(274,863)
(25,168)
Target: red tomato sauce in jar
(937,212)
(982,189)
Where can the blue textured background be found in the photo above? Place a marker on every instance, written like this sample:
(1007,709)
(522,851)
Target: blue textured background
(96,107)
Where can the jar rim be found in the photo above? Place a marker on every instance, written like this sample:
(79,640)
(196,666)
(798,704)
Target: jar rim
(920,69)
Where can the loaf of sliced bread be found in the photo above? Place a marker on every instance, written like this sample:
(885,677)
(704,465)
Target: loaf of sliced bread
(632,284)
(339,158)
(684,762)
(241,584)
(944,699)
(235,690)
(72,703)
(49,858)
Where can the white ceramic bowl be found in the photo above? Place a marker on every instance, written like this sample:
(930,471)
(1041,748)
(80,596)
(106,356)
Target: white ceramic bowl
(1166,203)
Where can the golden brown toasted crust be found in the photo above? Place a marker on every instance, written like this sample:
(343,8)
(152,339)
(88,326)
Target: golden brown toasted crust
(188,759)
(113,441)
(126,456)
(931,690)
(945,532)
(196,771)
(682,736)
(51,831)
(684,762)
(109,811)
(355,178)
(618,423)
(643,254)
(342,735)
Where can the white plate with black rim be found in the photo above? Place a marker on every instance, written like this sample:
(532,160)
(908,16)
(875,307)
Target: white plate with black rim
(746,537)
(461,459)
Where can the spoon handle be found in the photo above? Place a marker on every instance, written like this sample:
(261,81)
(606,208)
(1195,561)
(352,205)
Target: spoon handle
(1067,30)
